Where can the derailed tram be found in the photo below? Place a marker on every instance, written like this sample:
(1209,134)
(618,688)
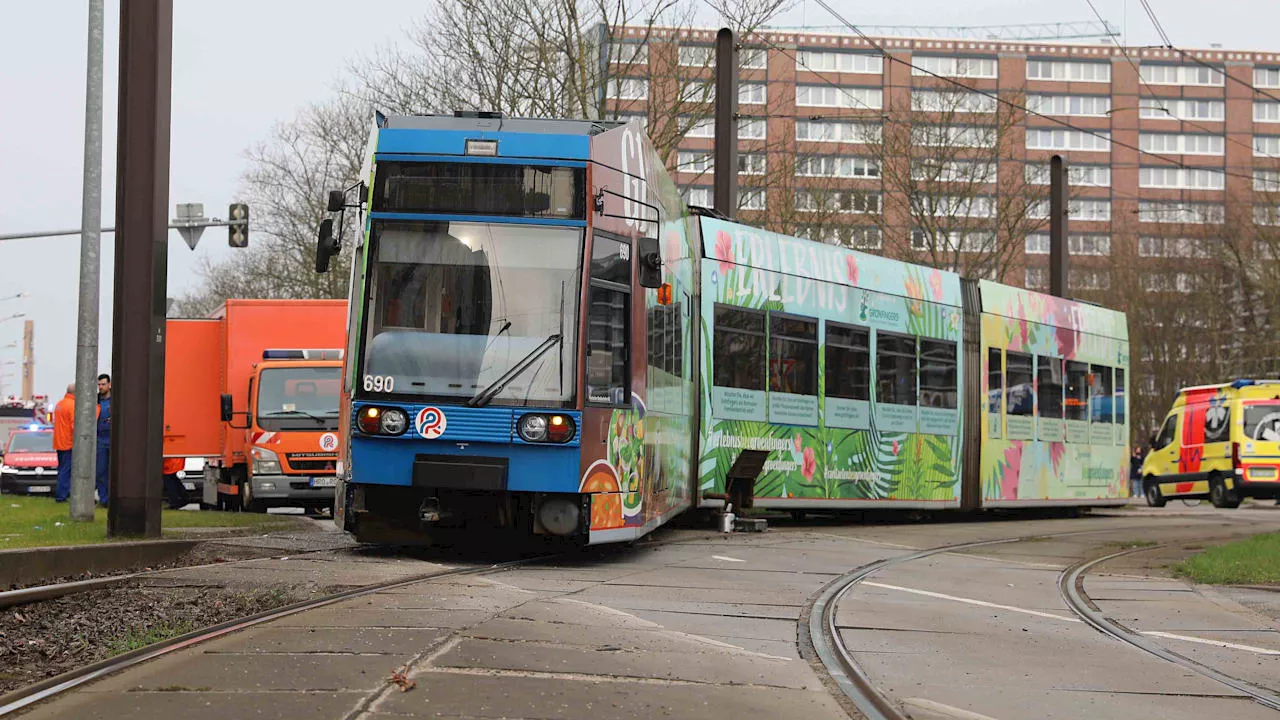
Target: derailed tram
(544,339)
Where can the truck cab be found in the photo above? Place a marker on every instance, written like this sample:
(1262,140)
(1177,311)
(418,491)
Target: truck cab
(291,434)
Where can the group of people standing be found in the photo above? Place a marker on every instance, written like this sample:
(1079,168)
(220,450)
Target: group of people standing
(64,422)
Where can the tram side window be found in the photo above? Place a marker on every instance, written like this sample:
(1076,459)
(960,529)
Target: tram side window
(938,387)
(738,348)
(666,341)
(608,323)
(1077,393)
(793,355)
(1049,386)
(1101,393)
(995,380)
(1022,396)
(1120,398)
(848,362)
(895,369)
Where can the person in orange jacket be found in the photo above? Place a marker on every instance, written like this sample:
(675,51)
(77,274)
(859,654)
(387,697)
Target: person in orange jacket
(64,434)
(175,494)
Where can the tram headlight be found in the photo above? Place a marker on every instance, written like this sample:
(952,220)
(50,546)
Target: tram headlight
(370,420)
(533,428)
(559,515)
(394,422)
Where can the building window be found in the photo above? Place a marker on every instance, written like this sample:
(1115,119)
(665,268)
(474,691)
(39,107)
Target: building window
(839,97)
(837,131)
(1088,279)
(839,62)
(1078,105)
(950,66)
(1098,245)
(696,55)
(958,206)
(1180,75)
(1266,180)
(1266,112)
(752,199)
(751,94)
(852,236)
(640,118)
(628,88)
(753,59)
(1068,71)
(1155,211)
(738,348)
(848,351)
(959,171)
(1266,146)
(1086,209)
(793,354)
(1043,139)
(1181,144)
(751,129)
(630,53)
(1077,175)
(1266,77)
(952,241)
(895,369)
(694,161)
(700,196)
(1162,109)
(1172,247)
(1266,215)
(1181,178)
(838,201)
(836,166)
(952,102)
(955,136)
(1168,282)
(751,163)
(1036,278)
(701,128)
(697,91)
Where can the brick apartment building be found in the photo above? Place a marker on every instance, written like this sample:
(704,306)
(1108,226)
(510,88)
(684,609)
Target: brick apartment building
(815,103)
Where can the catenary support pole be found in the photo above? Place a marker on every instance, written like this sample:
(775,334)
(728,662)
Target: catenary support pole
(142,197)
(1058,261)
(84,445)
(726,124)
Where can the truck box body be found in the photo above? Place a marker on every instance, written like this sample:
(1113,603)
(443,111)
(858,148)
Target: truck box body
(205,358)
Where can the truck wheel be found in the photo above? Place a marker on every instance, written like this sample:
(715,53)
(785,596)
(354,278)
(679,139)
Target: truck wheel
(1154,497)
(248,503)
(1220,496)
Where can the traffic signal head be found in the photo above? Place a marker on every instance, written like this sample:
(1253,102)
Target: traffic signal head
(238,231)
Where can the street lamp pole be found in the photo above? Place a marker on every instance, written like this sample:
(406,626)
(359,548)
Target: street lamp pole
(84,446)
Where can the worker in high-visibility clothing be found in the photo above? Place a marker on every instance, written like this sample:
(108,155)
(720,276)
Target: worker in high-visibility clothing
(174,493)
(64,435)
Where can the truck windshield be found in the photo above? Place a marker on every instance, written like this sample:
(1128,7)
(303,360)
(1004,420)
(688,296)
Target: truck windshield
(480,312)
(299,398)
(32,442)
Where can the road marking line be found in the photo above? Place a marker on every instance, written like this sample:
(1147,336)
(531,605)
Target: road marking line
(1207,641)
(726,559)
(971,601)
(946,710)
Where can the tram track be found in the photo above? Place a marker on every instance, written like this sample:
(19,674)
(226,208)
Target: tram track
(1071,585)
(25,697)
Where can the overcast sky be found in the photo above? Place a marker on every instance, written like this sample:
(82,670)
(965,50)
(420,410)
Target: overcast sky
(239,67)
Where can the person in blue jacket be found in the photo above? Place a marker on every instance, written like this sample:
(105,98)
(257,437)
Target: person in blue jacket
(104,436)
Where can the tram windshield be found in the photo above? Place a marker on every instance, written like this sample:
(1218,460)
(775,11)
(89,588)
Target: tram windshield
(473,312)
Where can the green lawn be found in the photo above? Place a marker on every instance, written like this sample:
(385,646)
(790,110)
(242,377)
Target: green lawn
(38,521)
(1253,561)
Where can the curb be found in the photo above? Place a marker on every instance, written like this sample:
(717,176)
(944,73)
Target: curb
(25,566)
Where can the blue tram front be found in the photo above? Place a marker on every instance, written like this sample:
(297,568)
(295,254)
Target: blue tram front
(520,294)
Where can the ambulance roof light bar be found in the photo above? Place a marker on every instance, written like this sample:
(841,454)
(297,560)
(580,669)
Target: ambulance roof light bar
(301,354)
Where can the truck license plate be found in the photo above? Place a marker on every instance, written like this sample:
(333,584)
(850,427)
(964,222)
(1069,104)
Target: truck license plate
(323,482)
(39,488)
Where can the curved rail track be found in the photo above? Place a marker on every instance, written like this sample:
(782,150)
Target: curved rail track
(1071,584)
(27,696)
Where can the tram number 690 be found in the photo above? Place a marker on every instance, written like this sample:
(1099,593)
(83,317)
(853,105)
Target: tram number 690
(379,383)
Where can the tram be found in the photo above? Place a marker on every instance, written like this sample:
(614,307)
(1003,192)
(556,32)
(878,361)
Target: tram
(543,338)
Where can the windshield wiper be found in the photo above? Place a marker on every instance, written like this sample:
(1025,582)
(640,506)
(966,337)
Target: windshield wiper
(483,397)
(277,413)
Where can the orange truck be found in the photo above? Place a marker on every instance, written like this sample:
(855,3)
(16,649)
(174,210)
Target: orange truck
(254,390)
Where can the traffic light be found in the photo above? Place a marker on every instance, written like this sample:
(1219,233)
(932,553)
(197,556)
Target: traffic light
(238,234)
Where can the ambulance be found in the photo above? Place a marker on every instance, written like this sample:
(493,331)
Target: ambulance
(1220,442)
